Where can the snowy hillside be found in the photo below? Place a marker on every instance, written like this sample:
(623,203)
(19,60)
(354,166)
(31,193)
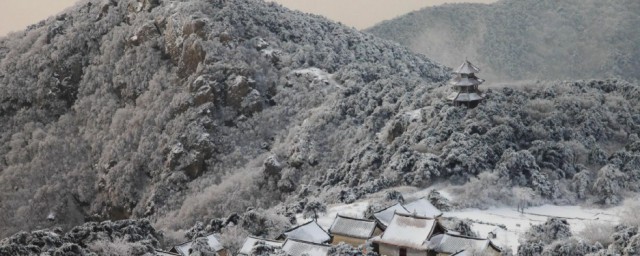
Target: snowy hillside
(527,39)
(508,224)
(234,116)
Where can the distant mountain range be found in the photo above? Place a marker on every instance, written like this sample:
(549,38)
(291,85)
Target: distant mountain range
(527,39)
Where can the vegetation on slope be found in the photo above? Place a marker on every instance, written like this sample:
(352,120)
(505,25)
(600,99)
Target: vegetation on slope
(128,109)
(181,111)
(530,39)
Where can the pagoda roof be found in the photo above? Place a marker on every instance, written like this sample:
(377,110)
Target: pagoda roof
(467,68)
(466,81)
(465,96)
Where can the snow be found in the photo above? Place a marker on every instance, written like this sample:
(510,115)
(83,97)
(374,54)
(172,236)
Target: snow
(386,215)
(517,223)
(414,115)
(355,210)
(353,227)
(488,220)
(319,76)
(297,248)
(251,241)
(183,249)
(309,232)
(408,231)
(424,208)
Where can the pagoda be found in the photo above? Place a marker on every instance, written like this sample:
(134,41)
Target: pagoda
(465,86)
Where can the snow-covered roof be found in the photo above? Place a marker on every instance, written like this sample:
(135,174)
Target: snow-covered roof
(424,208)
(298,248)
(467,68)
(163,253)
(310,232)
(183,249)
(464,97)
(352,227)
(465,81)
(449,243)
(251,241)
(384,216)
(461,253)
(408,231)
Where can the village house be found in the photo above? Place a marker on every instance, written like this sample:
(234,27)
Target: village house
(295,247)
(407,235)
(451,244)
(384,216)
(185,249)
(353,231)
(309,232)
(251,241)
(422,207)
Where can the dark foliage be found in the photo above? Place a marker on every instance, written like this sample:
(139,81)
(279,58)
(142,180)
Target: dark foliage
(135,237)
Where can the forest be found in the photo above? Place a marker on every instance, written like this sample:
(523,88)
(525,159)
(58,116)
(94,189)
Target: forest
(182,115)
(515,40)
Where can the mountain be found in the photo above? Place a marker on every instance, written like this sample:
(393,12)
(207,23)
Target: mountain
(241,111)
(130,109)
(526,39)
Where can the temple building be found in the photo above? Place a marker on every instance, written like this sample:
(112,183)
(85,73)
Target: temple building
(465,86)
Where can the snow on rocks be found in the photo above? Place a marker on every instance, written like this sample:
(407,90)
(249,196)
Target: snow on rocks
(317,77)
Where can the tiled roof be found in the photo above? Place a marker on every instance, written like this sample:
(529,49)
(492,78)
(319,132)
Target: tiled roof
(467,68)
(408,231)
(448,243)
(183,249)
(352,227)
(310,232)
(163,253)
(464,96)
(384,216)
(465,81)
(424,208)
(298,248)
(251,241)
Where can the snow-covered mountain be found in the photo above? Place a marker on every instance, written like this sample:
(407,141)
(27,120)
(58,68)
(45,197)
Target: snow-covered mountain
(186,111)
(527,39)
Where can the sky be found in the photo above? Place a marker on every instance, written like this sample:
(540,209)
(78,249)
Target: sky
(16,15)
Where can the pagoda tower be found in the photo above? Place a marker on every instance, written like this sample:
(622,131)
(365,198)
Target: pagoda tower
(465,86)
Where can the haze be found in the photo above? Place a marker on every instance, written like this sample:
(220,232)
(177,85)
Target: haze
(16,15)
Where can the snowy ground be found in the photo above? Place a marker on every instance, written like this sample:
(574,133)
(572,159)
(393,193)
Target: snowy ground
(488,220)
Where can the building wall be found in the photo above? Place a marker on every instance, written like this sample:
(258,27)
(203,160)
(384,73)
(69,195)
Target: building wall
(377,231)
(491,252)
(388,250)
(355,242)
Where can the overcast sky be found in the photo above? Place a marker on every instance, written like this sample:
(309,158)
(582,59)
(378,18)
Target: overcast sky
(17,14)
